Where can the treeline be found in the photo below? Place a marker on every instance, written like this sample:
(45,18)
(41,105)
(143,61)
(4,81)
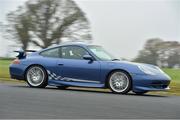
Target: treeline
(159,52)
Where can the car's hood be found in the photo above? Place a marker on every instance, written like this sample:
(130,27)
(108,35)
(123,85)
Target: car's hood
(137,64)
(142,66)
(131,63)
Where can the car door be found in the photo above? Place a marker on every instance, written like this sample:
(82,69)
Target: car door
(49,60)
(77,69)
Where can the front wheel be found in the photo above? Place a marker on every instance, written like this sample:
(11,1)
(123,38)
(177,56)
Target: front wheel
(36,76)
(119,82)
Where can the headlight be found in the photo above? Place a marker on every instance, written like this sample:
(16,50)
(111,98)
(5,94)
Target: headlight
(146,70)
(151,70)
(163,72)
(160,70)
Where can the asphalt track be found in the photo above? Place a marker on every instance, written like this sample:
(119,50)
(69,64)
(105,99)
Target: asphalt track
(20,102)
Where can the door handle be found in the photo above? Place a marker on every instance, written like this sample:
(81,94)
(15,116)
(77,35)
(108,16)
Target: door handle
(60,64)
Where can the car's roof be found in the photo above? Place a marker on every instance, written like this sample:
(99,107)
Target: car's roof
(75,43)
(83,44)
(72,43)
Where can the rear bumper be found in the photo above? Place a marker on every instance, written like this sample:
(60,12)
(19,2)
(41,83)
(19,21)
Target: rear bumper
(150,83)
(17,77)
(17,71)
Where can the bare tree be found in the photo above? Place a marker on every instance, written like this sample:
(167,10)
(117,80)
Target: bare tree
(47,22)
(21,28)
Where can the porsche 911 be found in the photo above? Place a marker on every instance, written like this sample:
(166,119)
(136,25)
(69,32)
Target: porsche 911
(86,65)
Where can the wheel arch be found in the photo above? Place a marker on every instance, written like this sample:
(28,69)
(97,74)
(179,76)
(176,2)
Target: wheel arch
(107,76)
(34,65)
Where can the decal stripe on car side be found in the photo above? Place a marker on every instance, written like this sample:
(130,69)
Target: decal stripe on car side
(53,76)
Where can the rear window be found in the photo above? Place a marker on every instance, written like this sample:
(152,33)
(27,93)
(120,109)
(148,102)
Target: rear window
(54,53)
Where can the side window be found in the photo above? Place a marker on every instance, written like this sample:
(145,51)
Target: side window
(73,52)
(55,53)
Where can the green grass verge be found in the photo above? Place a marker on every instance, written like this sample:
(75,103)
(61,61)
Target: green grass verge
(4,68)
(173,73)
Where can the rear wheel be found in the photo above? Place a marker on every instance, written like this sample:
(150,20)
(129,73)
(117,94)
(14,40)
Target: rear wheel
(119,82)
(36,76)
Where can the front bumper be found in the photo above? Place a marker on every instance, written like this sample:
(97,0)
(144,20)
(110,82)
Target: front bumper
(150,82)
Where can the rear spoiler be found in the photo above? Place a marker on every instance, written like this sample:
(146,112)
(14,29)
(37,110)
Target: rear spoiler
(22,53)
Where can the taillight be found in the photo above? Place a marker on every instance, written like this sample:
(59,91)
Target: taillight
(16,61)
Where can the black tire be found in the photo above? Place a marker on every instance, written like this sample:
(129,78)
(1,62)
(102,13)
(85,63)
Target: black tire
(44,81)
(62,87)
(141,93)
(129,83)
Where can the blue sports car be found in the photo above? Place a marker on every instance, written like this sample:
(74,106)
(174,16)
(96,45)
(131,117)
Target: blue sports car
(84,65)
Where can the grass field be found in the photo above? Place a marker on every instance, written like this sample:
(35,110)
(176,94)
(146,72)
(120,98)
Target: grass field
(4,68)
(173,73)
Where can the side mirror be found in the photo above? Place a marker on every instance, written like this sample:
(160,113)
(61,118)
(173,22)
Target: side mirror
(88,57)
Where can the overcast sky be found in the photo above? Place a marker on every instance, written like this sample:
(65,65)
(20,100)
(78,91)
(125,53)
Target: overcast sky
(121,26)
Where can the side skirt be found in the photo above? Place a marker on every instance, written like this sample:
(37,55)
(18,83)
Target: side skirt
(72,83)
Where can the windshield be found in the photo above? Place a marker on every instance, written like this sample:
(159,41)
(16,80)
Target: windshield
(101,53)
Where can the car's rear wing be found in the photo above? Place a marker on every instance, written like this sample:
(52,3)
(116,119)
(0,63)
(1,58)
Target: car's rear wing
(22,53)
